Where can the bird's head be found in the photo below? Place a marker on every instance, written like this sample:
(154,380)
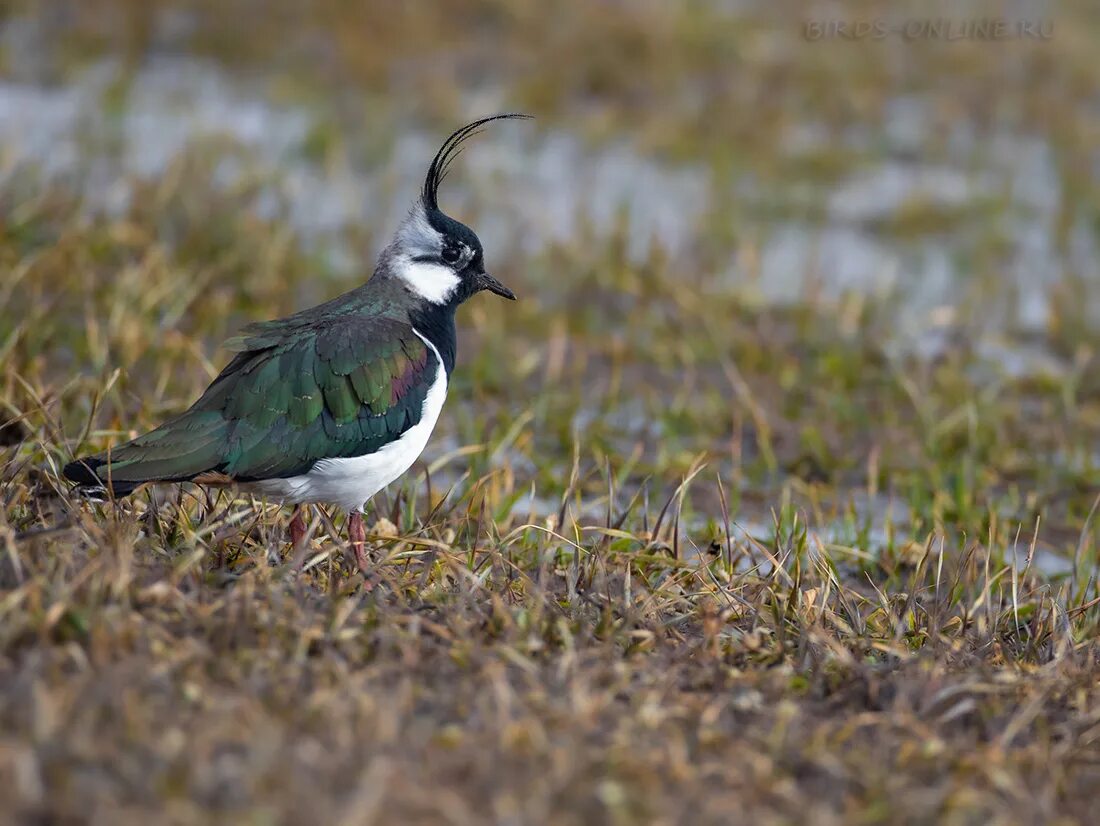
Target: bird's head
(440,259)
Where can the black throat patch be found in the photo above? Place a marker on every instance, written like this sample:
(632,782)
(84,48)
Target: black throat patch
(436,322)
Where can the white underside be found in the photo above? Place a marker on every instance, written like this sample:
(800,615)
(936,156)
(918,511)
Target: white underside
(350,483)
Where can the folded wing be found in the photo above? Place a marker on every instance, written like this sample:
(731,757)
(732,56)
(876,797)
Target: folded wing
(294,394)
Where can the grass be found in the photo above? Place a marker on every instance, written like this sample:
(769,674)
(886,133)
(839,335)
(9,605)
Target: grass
(675,553)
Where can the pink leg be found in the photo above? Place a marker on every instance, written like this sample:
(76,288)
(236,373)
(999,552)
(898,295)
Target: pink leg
(357,533)
(297,528)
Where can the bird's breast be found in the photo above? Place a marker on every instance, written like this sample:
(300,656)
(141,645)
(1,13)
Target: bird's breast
(350,482)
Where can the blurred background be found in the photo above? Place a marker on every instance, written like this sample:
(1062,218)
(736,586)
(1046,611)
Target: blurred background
(749,232)
(773,497)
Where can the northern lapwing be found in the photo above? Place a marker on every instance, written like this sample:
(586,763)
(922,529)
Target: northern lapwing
(333,403)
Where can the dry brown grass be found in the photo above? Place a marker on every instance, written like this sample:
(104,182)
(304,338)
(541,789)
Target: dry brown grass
(156,666)
(647,577)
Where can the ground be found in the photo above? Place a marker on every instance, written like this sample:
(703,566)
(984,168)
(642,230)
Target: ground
(772,500)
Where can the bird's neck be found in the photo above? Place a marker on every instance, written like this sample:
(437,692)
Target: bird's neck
(436,322)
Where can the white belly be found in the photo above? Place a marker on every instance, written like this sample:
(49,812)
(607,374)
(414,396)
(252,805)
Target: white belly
(350,483)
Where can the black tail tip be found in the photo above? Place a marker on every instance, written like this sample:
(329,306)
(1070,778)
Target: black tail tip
(82,472)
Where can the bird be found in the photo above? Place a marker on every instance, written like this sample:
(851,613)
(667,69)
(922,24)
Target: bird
(333,403)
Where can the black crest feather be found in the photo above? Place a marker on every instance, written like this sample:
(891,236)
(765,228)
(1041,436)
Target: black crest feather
(450,150)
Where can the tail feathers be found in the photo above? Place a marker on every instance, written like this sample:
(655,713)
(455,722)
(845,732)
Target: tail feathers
(95,477)
(83,472)
(177,451)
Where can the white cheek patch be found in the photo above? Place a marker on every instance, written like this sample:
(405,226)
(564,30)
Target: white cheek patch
(432,282)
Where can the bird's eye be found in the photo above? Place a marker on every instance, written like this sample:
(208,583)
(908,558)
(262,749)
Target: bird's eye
(451,254)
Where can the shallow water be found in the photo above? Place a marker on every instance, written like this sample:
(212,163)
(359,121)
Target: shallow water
(752,528)
(552,187)
(548,187)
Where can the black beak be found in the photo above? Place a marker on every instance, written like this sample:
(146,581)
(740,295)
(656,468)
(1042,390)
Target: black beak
(487,282)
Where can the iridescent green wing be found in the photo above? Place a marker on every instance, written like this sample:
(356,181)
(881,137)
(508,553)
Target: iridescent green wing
(340,386)
(345,389)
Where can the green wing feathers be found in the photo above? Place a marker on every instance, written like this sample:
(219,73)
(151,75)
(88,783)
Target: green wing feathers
(292,395)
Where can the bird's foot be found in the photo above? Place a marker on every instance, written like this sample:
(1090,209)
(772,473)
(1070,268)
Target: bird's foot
(299,538)
(297,528)
(357,533)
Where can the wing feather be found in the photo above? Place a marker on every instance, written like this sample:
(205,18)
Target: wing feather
(297,391)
